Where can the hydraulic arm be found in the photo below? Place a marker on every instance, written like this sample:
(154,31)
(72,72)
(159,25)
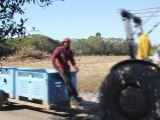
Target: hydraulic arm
(127,17)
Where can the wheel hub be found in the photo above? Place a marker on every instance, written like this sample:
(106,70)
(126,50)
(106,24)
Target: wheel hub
(133,102)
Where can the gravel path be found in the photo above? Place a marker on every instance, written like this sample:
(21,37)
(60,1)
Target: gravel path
(89,96)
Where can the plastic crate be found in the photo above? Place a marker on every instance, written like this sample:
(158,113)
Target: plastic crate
(41,85)
(57,89)
(7,81)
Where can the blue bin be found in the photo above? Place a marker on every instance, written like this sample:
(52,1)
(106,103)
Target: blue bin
(57,89)
(44,85)
(7,81)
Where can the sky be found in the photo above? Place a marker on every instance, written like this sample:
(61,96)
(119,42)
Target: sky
(84,18)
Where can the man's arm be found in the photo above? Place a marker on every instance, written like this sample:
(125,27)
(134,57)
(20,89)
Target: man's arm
(54,55)
(72,60)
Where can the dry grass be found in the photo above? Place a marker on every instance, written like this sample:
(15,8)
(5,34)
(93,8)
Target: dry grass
(93,69)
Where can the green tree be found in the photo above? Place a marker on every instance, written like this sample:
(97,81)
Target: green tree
(81,47)
(8,9)
(98,34)
(96,44)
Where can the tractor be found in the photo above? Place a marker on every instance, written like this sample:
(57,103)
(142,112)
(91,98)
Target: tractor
(131,91)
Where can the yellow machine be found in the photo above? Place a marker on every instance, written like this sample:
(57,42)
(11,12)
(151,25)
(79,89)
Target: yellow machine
(143,46)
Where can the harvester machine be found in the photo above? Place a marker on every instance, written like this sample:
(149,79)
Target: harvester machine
(131,91)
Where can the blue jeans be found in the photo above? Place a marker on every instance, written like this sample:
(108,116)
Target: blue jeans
(66,77)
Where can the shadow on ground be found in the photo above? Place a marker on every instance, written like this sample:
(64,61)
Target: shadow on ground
(85,110)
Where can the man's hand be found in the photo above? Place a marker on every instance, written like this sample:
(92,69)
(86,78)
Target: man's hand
(76,68)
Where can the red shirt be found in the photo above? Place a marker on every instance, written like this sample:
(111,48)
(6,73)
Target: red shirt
(61,57)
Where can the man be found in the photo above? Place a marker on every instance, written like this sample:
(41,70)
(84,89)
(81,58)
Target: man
(61,57)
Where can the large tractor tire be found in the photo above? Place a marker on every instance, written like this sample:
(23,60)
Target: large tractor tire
(1,98)
(125,93)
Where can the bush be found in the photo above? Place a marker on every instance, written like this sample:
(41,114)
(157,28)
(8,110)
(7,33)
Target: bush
(28,52)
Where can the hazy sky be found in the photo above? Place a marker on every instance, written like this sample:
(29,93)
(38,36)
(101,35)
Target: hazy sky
(83,18)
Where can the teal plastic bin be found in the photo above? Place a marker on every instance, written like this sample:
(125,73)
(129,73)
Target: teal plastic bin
(42,85)
(7,81)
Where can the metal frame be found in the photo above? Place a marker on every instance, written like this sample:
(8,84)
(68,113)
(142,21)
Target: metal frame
(127,17)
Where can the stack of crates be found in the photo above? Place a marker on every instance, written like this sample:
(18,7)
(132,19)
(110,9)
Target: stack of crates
(7,81)
(44,86)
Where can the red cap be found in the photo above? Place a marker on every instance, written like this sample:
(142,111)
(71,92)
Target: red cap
(66,40)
